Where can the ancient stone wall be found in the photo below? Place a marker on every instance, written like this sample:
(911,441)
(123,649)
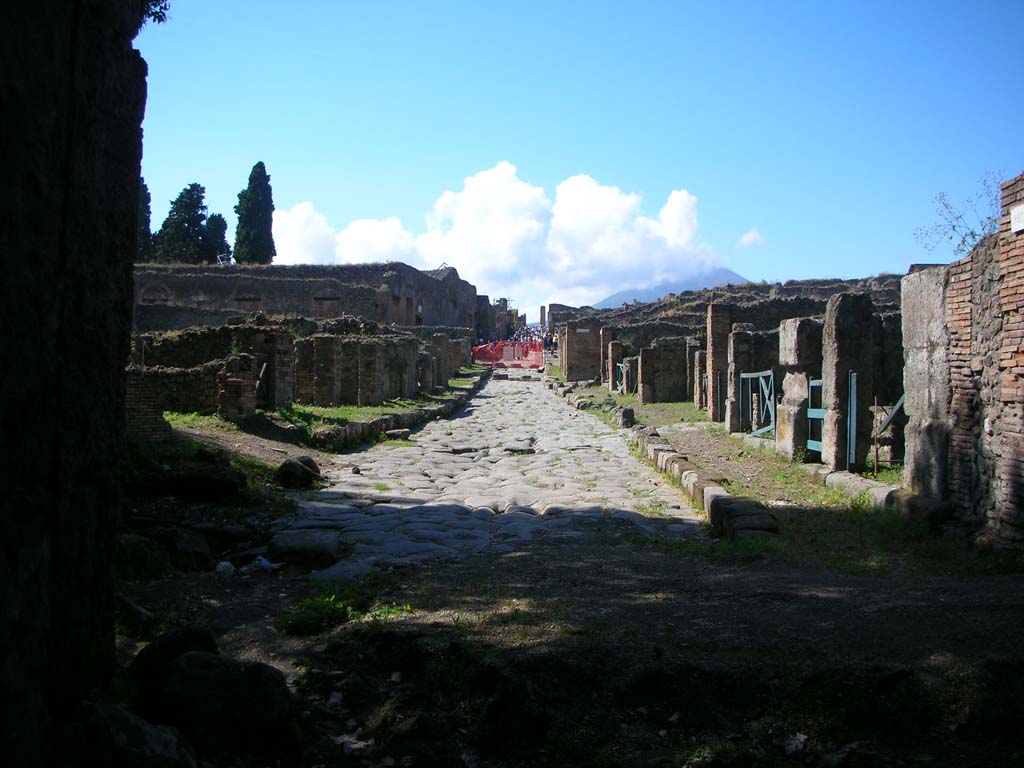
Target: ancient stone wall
(582,350)
(272,348)
(72,94)
(391,293)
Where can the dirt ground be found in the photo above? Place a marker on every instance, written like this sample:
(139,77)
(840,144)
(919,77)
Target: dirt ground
(615,653)
(616,650)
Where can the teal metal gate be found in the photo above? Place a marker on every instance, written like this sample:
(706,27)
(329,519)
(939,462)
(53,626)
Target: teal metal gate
(815,415)
(759,386)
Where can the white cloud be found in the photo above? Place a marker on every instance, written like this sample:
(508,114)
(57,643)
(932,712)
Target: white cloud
(508,238)
(753,237)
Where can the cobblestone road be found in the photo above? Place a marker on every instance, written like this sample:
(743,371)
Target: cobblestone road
(516,464)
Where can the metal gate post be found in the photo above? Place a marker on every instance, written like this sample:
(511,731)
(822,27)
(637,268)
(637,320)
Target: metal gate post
(851,422)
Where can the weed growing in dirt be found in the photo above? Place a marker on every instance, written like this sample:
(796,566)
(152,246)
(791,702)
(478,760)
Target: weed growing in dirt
(380,486)
(314,615)
(346,601)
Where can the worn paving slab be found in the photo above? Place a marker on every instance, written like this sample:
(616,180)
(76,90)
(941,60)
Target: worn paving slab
(515,465)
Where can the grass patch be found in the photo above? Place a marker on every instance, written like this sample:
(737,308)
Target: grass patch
(888,473)
(396,443)
(555,372)
(314,616)
(211,422)
(347,601)
(648,414)
(380,486)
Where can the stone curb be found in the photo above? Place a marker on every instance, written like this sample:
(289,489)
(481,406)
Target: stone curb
(339,437)
(732,517)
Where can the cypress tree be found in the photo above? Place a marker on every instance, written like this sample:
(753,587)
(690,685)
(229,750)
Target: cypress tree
(181,236)
(254,238)
(215,241)
(144,246)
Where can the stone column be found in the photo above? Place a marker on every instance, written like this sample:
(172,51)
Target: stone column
(614,358)
(851,334)
(719,326)
(692,346)
(800,359)
(699,370)
(646,391)
(740,357)
(607,337)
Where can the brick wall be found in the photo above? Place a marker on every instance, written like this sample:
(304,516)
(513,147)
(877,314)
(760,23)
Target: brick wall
(719,326)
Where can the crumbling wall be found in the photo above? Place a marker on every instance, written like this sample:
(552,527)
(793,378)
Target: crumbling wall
(72,92)
(391,293)
(272,347)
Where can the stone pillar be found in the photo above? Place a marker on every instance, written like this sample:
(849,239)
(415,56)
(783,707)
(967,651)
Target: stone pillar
(719,326)
(925,380)
(325,370)
(849,342)
(741,358)
(582,353)
(699,371)
(440,347)
(800,359)
(607,337)
(282,369)
(425,373)
(543,317)
(73,92)
(305,373)
(614,358)
(645,376)
(371,373)
(692,347)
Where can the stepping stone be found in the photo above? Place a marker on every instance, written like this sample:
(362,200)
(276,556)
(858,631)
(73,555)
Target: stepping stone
(308,547)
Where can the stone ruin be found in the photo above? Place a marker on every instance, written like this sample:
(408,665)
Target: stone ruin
(233,370)
(936,359)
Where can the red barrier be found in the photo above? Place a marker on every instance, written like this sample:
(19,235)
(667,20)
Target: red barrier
(510,354)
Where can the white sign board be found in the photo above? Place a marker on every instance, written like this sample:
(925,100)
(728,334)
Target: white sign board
(1017,219)
(582,330)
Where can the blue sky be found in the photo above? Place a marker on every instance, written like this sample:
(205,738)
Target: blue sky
(562,151)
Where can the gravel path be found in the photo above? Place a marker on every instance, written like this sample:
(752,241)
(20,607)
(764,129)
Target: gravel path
(516,464)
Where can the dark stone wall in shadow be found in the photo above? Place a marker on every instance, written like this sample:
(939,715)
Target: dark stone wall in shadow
(72,93)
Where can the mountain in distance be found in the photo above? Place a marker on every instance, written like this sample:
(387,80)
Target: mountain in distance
(711,279)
